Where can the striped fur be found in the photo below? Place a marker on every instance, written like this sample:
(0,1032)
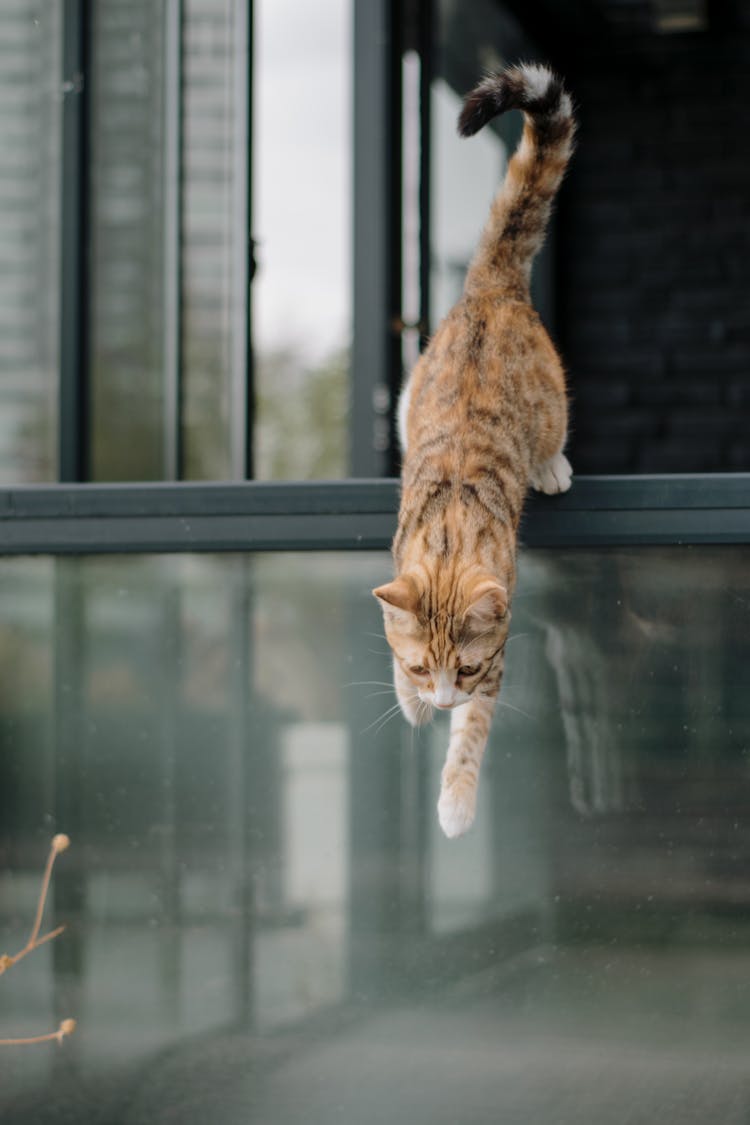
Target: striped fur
(483,416)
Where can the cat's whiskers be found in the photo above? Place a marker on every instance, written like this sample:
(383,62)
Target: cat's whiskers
(381,720)
(517,636)
(369,683)
(423,711)
(512,707)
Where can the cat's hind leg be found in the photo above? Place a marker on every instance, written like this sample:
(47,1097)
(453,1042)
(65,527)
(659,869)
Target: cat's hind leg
(553,475)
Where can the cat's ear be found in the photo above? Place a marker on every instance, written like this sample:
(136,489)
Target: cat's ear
(399,599)
(488,604)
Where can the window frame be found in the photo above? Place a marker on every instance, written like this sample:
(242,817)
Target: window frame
(355,515)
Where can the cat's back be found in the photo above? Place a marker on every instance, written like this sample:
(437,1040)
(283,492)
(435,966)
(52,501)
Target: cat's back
(489,365)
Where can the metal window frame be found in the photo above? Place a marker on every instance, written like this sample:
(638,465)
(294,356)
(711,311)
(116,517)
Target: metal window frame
(376,233)
(73,415)
(172,421)
(243,261)
(354,515)
(383,31)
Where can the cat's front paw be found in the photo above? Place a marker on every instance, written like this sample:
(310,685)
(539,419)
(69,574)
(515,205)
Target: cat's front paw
(456,808)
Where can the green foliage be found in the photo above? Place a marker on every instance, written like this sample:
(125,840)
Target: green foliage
(301,416)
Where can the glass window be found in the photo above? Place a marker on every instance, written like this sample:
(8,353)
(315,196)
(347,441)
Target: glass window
(263,920)
(169,259)
(130,257)
(215,253)
(301,226)
(31,91)
(466,174)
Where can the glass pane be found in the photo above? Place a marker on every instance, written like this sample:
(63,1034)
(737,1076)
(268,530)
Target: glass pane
(466,174)
(169,257)
(31,92)
(214,251)
(263,920)
(465,179)
(301,224)
(128,247)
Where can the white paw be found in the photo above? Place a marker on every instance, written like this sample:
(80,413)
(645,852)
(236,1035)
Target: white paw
(456,811)
(553,476)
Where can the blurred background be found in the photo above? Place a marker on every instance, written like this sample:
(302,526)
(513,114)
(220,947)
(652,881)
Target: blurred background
(226,230)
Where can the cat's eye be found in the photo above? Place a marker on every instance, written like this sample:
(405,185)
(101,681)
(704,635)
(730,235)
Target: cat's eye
(418,670)
(469,669)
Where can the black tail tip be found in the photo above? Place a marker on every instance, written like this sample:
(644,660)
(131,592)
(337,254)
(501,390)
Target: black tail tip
(480,106)
(530,87)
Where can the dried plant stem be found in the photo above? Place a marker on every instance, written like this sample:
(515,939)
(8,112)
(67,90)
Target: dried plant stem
(53,853)
(67,1027)
(6,959)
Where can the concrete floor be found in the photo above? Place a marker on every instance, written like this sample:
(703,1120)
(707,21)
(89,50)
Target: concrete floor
(587,1036)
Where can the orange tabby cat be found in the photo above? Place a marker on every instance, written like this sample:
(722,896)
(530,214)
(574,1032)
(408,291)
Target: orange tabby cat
(483,416)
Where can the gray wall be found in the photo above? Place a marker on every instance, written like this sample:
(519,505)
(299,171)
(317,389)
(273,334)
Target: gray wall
(654,265)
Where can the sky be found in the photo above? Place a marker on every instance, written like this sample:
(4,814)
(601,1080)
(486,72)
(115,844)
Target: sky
(303,179)
(302,175)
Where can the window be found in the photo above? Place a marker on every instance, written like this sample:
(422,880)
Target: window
(263,920)
(301,225)
(132,122)
(30,185)
(258,898)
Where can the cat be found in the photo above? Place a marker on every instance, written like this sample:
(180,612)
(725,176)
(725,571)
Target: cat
(482,417)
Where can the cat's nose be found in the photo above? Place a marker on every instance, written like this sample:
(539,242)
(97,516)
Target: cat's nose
(445,691)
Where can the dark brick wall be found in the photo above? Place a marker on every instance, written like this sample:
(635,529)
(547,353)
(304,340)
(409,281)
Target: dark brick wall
(654,258)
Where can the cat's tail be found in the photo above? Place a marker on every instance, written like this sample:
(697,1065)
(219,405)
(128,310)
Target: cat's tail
(520,212)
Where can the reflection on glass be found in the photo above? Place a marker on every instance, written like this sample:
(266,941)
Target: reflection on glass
(466,174)
(128,263)
(465,178)
(301,224)
(263,920)
(169,258)
(214,252)
(30,88)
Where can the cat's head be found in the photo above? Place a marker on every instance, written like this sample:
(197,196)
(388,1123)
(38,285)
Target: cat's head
(446,641)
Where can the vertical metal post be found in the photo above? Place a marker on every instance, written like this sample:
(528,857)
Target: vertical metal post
(415,37)
(69,889)
(377,234)
(425,32)
(73,432)
(376,876)
(243,706)
(172,239)
(243,351)
(394,243)
(169,582)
